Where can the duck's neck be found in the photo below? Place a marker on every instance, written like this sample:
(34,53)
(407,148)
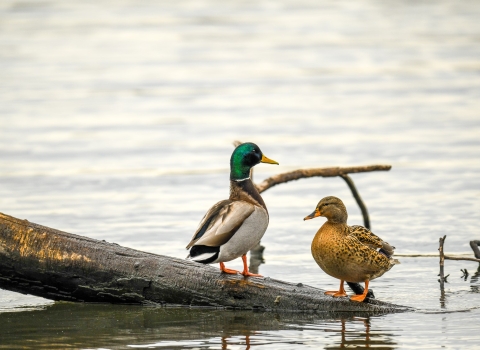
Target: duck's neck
(336,227)
(246,191)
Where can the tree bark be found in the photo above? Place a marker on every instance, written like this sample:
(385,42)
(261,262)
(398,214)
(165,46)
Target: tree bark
(42,261)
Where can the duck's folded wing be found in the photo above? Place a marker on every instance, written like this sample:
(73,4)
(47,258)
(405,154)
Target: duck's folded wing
(221,222)
(366,236)
(370,239)
(367,258)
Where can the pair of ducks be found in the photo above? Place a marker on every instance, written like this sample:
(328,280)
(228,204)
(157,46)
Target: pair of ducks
(234,226)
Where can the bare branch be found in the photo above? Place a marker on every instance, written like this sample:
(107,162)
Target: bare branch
(312,172)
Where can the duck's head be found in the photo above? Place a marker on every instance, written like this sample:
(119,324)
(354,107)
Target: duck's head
(332,208)
(244,157)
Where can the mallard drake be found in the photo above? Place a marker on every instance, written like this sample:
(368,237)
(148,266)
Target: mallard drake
(233,226)
(348,253)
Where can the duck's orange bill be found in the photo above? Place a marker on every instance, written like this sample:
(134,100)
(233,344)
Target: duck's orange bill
(312,215)
(268,160)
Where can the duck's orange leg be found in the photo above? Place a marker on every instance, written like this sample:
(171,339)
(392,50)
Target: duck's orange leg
(229,271)
(245,272)
(361,297)
(337,293)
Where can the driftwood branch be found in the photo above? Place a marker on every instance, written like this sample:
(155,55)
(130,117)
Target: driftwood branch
(42,261)
(322,172)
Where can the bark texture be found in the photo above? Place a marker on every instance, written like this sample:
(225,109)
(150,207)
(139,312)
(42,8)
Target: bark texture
(38,260)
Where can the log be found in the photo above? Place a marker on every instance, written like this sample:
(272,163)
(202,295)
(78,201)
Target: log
(42,261)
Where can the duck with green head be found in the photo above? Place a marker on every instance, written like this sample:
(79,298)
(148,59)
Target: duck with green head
(233,226)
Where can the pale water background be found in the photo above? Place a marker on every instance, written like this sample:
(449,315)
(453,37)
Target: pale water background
(117,119)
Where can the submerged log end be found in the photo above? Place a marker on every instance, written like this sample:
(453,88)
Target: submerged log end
(38,260)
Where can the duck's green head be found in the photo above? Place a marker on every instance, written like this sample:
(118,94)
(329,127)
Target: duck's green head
(244,157)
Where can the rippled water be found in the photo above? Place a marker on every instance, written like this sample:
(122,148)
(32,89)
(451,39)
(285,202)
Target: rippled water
(116,122)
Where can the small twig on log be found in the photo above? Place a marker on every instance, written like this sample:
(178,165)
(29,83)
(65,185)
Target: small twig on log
(442,259)
(356,195)
(322,172)
(474,245)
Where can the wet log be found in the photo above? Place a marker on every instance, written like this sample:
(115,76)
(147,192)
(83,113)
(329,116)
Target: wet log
(42,261)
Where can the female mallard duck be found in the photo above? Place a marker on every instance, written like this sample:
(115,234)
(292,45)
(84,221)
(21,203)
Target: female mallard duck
(233,226)
(348,252)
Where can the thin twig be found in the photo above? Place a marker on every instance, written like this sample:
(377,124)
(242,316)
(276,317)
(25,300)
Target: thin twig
(442,259)
(446,257)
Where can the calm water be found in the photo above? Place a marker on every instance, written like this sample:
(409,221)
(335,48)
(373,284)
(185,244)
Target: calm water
(116,122)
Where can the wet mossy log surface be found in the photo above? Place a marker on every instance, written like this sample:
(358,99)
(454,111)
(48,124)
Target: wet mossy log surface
(42,261)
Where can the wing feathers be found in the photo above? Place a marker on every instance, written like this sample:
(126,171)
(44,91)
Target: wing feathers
(369,239)
(221,222)
(366,236)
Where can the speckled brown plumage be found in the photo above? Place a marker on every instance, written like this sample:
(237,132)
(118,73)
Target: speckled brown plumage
(348,253)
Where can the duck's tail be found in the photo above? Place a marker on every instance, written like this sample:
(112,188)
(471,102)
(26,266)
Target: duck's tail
(388,250)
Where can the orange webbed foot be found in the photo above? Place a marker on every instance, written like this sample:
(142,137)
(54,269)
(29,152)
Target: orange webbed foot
(229,271)
(358,298)
(337,293)
(245,272)
(361,297)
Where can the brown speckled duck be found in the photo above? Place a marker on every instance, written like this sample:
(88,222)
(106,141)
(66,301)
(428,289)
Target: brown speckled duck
(348,253)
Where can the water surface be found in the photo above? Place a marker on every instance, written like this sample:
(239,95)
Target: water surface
(116,122)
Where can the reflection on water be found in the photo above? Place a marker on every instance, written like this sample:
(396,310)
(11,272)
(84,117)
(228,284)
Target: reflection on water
(474,281)
(66,325)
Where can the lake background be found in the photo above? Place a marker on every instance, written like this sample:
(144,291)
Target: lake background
(117,120)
